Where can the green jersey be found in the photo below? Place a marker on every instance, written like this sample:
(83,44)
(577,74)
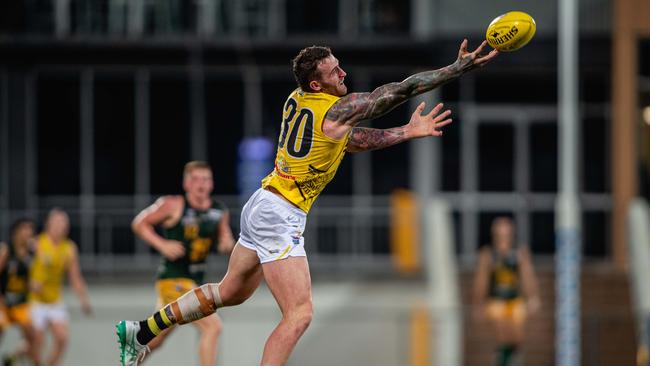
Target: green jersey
(197,230)
(504,279)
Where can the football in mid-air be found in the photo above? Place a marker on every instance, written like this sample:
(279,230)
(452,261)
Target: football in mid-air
(510,31)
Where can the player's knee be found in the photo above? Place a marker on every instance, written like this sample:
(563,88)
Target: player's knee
(231,296)
(61,339)
(213,331)
(301,317)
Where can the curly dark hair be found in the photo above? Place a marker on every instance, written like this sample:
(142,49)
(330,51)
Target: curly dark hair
(20,222)
(305,65)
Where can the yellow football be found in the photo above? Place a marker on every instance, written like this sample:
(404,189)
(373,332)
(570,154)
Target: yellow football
(510,31)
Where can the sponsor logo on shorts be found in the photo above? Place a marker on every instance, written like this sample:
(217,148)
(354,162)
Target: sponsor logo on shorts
(274,251)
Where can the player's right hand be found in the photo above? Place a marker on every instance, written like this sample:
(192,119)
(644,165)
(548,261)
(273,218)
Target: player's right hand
(470,60)
(172,249)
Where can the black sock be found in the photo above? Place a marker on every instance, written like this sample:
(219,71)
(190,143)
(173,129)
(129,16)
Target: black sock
(145,335)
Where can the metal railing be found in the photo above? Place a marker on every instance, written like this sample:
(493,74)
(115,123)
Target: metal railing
(340,236)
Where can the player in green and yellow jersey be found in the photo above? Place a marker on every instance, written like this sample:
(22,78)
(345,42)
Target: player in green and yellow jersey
(505,288)
(15,260)
(191,226)
(319,125)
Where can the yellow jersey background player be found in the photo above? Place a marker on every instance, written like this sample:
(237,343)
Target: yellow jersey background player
(55,257)
(505,288)
(15,261)
(319,125)
(191,225)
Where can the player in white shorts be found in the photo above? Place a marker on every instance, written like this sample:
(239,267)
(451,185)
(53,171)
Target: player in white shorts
(265,211)
(319,125)
(55,258)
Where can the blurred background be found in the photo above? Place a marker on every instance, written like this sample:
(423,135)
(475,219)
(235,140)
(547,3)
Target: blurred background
(102,102)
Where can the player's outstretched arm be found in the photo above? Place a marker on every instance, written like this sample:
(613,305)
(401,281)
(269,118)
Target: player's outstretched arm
(420,125)
(356,107)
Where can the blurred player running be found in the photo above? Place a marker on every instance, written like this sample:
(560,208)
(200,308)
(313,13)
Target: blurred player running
(319,126)
(15,260)
(191,224)
(505,288)
(55,256)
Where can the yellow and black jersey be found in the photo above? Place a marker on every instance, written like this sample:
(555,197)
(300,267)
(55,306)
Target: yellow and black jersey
(306,159)
(14,278)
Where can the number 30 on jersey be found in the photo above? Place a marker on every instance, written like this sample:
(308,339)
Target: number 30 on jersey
(299,122)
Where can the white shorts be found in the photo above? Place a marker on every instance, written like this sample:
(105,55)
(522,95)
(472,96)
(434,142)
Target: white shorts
(44,314)
(272,227)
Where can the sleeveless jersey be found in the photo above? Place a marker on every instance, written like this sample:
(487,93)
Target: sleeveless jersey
(49,267)
(306,159)
(197,230)
(14,279)
(504,279)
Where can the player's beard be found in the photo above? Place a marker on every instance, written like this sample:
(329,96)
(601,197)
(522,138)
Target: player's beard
(337,90)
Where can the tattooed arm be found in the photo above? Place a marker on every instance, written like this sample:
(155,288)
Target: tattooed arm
(366,139)
(356,107)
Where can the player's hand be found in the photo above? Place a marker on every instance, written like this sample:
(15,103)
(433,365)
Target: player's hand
(470,60)
(172,249)
(226,246)
(533,305)
(36,287)
(86,308)
(422,125)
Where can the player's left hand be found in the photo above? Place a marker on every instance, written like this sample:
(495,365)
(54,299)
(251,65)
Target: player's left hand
(428,124)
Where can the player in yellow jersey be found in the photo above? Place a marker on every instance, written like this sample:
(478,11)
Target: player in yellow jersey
(319,125)
(55,257)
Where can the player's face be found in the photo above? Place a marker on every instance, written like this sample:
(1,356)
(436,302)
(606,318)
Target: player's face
(502,232)
(332,77)
(23,233)
(58,225)
(198,183)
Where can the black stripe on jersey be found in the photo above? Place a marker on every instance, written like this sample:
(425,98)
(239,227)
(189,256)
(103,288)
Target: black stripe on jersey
(159,322)
(315,170)
(300,190)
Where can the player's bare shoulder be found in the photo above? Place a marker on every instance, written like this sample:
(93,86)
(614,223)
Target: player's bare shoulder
(166,210)
(348,109)
(172,206)
(346,113)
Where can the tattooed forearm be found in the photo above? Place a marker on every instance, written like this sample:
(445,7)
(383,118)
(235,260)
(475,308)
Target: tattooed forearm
(366,139)
(356,107)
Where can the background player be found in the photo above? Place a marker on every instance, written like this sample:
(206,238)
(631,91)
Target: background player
(15,260)
(191,224)
(55,256)
(319,125)
(505,278)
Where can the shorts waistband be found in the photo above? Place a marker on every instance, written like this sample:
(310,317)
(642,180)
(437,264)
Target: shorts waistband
(281,201)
